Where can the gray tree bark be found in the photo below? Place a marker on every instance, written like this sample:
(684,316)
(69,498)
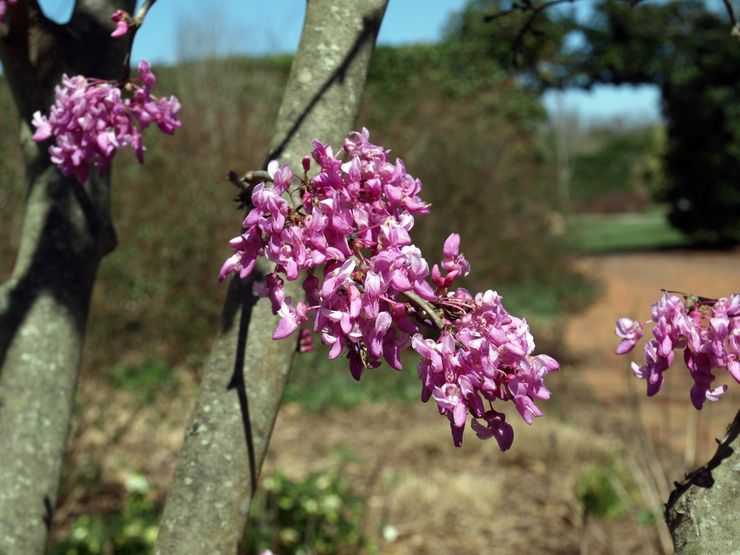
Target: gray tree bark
(229,430)
(43,306)
(703,512)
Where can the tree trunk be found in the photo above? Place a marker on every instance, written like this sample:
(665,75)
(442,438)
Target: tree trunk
(703,512)
(229,430)
(44,305)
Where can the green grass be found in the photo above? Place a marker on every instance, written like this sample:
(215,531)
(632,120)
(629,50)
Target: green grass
(597,233)
(597,491)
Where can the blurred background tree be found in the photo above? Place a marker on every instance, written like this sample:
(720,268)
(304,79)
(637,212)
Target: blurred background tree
(686,49)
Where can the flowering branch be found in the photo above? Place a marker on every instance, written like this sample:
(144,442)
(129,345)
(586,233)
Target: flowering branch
(229,430)
(126,24)
(708,331)
(92,118)
(347,239)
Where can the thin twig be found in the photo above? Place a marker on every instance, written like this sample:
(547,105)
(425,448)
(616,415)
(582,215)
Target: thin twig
(735,32)
(136,22)
(257,176)
(138,19)
(427,307)
(523,7)
(249,178)
(536,11)
(246,183)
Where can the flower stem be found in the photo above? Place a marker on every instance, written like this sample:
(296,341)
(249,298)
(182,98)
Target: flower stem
(427,307)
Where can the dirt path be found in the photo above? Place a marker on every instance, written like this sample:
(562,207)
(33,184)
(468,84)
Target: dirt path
(632,282)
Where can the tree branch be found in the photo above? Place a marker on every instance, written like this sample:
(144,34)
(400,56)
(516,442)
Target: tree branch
(427,307)
(136,22)
(230,427)
(735,32)
(67,230)
(702,511)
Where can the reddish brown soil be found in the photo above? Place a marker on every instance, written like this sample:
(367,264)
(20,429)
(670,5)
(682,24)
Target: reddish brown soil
(631,283)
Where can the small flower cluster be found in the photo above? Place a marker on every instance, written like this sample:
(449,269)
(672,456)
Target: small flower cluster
(351,227)
(4,8)
(91,119)
(708,331)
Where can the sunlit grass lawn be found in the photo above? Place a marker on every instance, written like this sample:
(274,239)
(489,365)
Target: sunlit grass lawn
(595,233)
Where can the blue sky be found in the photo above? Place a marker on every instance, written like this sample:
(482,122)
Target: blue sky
(177,29)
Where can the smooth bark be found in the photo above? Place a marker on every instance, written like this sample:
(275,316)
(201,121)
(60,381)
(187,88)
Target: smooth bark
(703,511)
(229,430)
(44,305)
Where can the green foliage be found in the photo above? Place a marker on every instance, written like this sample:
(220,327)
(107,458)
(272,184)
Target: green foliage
(473,140)
(597,492)
(542,304)
(317,515)
(476,36)
(130,531)
(144,381)
(619,162)
(688,51)
(623,232)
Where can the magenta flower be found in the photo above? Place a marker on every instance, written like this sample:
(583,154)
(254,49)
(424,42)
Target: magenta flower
(122,20)
(290,319)
(91,119)
(630,331)
(369,291)
(708,332)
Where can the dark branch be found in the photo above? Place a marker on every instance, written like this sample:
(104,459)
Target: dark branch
(735,32)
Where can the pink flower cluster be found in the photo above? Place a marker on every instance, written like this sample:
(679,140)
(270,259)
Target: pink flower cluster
(4,8)
(91,119)
(707,330)
(368,290)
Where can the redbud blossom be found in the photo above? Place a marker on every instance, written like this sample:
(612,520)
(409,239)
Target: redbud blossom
(121,19)
(708,332)
(91,119)
(4,8)
(369,291)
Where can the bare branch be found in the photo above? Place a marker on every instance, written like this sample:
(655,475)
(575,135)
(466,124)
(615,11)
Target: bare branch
(138,19)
